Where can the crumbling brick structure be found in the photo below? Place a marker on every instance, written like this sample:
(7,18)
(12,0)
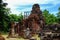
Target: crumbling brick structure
(32,25)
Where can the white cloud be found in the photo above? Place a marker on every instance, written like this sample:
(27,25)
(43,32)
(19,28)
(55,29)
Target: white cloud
(13,11)
(13,3)
(24,2)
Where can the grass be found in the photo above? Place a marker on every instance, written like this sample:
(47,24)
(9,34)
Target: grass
(5,36)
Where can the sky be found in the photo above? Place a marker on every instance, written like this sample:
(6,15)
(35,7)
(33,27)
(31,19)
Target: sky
(18,6)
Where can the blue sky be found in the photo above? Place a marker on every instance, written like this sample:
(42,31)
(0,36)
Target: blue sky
(18,6)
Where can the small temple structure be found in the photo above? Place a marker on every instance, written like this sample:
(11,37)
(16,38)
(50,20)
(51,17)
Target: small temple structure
(28,26)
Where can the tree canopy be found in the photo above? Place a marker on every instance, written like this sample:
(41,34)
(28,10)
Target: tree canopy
(4,18)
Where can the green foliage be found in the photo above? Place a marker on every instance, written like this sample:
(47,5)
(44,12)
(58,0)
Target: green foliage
(20,17)
(13,17)
(16,18)
(4,18)
(58,15)
(49,18)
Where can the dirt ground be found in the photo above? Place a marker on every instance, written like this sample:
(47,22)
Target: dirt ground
(5,36)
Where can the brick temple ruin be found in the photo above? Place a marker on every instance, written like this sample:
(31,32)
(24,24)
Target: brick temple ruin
(32,24)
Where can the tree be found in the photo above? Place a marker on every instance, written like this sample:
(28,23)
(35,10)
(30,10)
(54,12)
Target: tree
(20,17)
(4,19)
(58,15)
(45,14)
(49,18)
(16,18)
(13,17)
